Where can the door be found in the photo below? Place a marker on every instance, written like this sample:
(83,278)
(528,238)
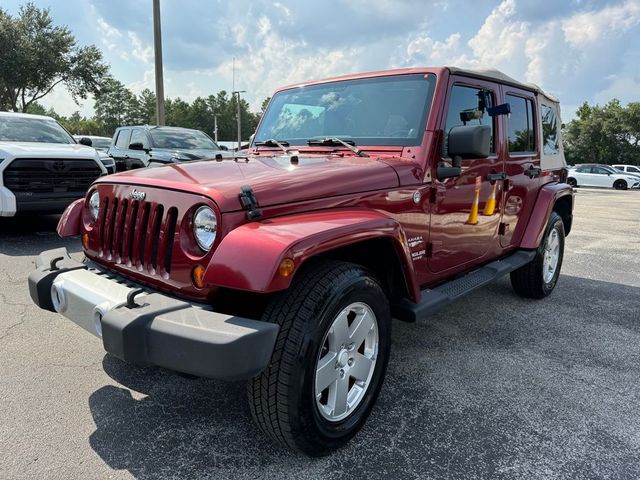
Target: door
(522,163)
(601,177)
(464,218)
(120,149)
(584,177)
(138,158)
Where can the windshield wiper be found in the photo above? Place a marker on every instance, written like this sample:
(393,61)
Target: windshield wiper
(283,144)
(350,144)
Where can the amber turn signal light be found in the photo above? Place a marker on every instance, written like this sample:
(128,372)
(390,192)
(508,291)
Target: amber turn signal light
(85,241)
(197,276)
(286,267)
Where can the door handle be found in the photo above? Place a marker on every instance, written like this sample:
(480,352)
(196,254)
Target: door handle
(533,172)
(494,177)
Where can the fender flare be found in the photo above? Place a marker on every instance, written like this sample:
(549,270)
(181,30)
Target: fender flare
(248,257)
(547,197)
(69,224)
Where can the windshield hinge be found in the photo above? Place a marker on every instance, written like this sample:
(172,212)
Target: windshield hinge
(249,203)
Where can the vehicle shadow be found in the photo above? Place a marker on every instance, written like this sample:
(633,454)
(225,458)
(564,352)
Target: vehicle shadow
(30,235)
(494,386)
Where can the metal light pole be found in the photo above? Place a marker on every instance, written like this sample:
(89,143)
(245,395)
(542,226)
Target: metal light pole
(157,48)
(215,127)
(238,92)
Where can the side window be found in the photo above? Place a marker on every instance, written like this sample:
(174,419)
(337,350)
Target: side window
(583,169)
(123,138)
(464,110)
(599,171)
(633,169)
(521,126)
(138,135)
(550,144)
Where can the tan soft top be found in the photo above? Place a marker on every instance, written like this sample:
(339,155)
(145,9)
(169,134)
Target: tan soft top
(497,75)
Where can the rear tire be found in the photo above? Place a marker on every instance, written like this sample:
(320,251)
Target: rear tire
(620,185)
(572,182)
(296,400)
(538,278)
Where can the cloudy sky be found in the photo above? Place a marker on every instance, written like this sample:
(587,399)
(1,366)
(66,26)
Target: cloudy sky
(576,49)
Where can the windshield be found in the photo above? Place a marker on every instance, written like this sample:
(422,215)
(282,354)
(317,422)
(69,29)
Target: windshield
(39,130)
(370,111)
(103,143)
(181,139)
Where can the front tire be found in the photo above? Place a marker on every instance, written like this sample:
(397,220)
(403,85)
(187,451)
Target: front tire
(538,278)
(620,185)
(329,361)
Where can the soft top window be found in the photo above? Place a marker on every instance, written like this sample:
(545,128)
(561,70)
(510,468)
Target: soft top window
(550,140)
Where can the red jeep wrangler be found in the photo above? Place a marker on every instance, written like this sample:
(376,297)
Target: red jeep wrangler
(361,199)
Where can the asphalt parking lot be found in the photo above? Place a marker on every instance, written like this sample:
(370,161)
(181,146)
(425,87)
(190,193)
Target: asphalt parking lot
(494,386)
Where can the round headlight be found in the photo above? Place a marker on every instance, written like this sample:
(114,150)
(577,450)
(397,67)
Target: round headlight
(204,227)
(94,204)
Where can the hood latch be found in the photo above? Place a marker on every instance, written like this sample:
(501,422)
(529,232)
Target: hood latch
(249,203)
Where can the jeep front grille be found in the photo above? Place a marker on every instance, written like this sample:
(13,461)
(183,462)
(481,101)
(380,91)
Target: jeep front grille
(38,175)
(138,234)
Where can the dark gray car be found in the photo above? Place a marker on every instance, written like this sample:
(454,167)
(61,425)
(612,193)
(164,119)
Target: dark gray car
(148,146)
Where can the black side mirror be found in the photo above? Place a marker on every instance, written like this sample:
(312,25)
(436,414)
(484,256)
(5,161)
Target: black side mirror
(138,146)
(472,141)
(223,147)
(85,141)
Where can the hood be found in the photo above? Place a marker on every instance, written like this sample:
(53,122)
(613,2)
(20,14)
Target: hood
(274,180)
(190,154)
(47,150)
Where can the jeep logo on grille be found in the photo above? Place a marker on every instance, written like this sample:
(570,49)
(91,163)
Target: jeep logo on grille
(137,195)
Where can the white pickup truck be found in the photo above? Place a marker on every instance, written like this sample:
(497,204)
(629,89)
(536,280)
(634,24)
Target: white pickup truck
(42,168)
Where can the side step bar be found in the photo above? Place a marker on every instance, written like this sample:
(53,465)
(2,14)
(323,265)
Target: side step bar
(434,299)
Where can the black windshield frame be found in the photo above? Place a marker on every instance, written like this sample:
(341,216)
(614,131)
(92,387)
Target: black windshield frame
(414,134)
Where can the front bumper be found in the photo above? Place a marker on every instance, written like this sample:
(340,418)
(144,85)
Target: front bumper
(145,328)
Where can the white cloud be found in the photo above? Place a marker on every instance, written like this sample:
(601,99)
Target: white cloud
(272,61)
(584,29)
(141,50)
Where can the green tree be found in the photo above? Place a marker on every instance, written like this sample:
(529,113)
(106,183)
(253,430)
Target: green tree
(36,56)
(147,100)
(609,134)
(113,107)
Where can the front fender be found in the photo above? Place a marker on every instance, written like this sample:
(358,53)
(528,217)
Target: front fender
(249,256)
(547,197)
(69,223)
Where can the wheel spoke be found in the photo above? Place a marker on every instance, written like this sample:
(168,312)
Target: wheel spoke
(360,328)
(339,333)
(326,373)
(339,395)
(361,367)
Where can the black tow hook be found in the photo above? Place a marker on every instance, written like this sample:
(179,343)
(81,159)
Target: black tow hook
(53,264)
(131,303)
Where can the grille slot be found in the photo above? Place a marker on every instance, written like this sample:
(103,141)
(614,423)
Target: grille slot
(172,219)
(157,225)
(38,175)
(138,234)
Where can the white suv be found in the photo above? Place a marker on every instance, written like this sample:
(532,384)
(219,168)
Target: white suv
(593,175)
(631,169)
(42,168)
